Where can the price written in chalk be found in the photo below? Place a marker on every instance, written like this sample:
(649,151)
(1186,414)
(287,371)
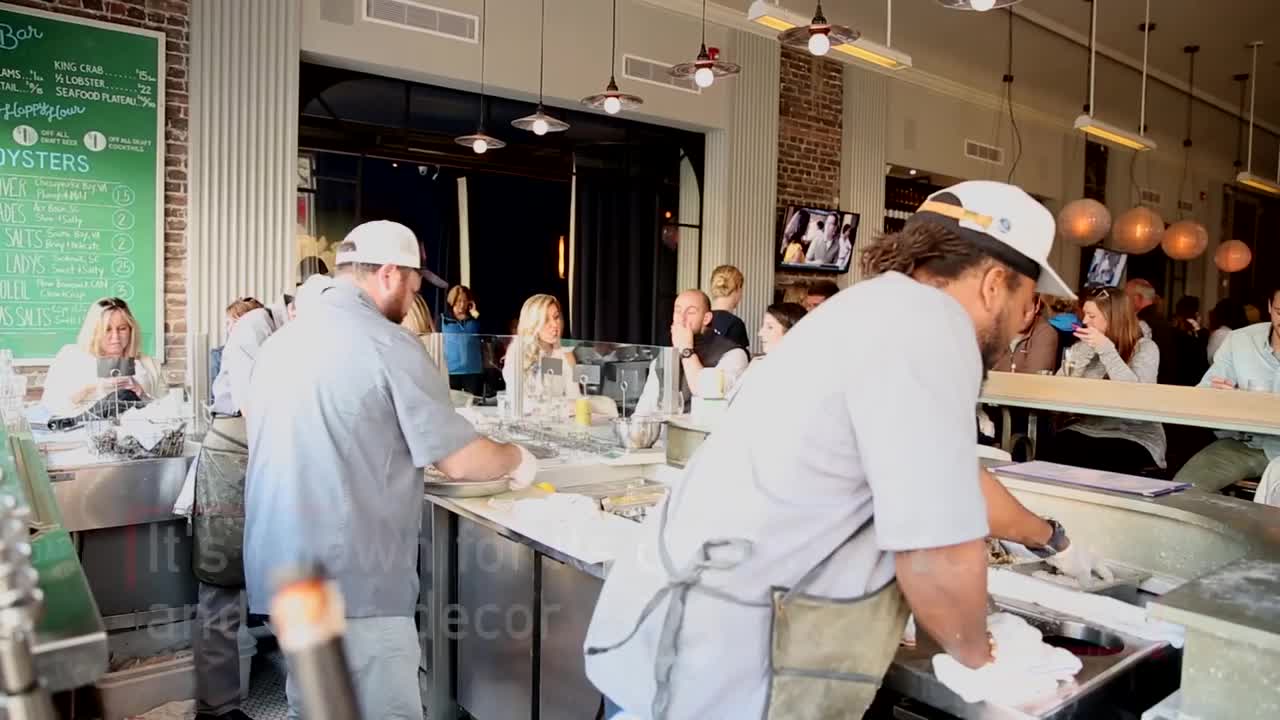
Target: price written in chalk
(122,244)
(122,266)
(122,220)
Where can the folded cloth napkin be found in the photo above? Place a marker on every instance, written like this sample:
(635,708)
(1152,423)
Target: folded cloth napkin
(1106,611)
(1025,669)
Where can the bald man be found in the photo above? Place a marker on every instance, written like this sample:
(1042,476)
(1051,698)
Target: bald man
(700,347)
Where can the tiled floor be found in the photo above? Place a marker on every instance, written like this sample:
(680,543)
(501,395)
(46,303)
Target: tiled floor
(266,688)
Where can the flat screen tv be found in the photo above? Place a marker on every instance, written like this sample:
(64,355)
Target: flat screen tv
(816,239)
(1106,269)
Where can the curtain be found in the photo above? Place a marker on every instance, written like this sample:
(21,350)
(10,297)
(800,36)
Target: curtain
(616,258)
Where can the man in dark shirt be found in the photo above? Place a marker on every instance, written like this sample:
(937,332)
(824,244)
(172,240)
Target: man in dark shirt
(818,293)
(1145,300)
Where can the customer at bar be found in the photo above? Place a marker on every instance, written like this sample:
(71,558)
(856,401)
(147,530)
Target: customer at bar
(778,320)
(1111,347)
(462,352)
(543,359)
(1146,302)
(700,347)
(1248,360)
(1190,341)
(1034,350)
(109,331)
(344,413)
(1225,317)
(818,293)
(726,293)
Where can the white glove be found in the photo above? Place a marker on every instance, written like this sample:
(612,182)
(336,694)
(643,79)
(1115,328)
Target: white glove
(1079,563)
(524,474)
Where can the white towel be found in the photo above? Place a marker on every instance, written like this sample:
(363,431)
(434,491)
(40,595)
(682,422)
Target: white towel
(1101,610)
(1025,669)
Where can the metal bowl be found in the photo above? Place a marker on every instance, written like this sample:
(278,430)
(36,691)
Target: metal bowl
(637,433)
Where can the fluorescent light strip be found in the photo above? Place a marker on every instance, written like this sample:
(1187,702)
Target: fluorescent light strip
(1258,183)
(1113,134)
(774,17)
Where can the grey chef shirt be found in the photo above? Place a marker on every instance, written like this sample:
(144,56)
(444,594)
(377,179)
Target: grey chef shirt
(345,410)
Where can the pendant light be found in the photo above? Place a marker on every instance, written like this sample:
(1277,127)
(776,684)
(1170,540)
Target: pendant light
(819,36)
(1084,222)
(978,5)
(1232,256)
(480,141)
(707,66)
(612,100)
(1107,132)
(1186,239)
(540,123)
(1247,177)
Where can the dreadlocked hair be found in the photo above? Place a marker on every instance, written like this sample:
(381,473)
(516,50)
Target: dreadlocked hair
(928,248)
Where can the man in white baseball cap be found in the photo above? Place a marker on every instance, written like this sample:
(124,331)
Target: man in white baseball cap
(345,410)
(867,504)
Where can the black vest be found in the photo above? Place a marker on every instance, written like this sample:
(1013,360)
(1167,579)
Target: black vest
(709,347)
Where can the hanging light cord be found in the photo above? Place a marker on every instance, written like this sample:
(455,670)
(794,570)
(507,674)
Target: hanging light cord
(613,47)
(1093,49)
(484,28)
(1253,95)
(704,23)
(1186,145)
(1146,39)
(1008,93)
(542,52)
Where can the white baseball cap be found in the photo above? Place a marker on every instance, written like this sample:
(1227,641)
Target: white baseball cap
(1004,222)
(382,242)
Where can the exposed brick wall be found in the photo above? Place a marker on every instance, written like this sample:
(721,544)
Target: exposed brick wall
(172,17)
(810,116)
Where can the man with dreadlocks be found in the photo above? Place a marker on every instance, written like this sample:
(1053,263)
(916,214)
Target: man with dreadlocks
(777,579)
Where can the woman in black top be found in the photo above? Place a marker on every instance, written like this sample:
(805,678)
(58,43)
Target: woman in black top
(726,293)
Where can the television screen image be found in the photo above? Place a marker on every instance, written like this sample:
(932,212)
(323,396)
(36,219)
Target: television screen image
(815,239)
(1106,269)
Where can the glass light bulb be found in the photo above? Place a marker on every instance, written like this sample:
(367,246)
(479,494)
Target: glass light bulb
(703,77)
(612,105)
(819,44)
(480,145)
(540,127)
(982,5)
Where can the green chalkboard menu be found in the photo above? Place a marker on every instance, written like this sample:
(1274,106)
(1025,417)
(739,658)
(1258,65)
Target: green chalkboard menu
(81,173)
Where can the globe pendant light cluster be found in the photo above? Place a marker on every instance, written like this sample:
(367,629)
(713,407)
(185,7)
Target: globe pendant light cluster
(1233,256)
(1084,222)
(1137,231)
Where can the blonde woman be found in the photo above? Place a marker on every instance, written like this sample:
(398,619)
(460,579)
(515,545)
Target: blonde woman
(109,331)
(726,293)
(540,328)
(418,319)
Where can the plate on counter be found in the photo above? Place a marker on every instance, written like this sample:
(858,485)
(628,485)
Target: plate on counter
(457,489)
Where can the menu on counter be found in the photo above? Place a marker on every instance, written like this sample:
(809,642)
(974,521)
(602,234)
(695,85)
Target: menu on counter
(81,173)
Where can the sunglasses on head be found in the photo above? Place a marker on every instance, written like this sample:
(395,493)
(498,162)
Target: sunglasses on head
(113,303)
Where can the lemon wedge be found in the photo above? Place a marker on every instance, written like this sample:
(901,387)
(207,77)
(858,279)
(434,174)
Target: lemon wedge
(545,486)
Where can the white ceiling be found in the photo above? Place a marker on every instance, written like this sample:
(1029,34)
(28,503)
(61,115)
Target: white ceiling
(1220,27)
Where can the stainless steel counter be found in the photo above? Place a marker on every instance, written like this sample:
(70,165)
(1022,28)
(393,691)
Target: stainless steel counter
(118,494)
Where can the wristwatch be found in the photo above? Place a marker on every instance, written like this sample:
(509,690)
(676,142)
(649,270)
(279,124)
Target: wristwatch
(686,353)
(1057,541)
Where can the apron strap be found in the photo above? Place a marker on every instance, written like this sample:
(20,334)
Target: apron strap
(218,433)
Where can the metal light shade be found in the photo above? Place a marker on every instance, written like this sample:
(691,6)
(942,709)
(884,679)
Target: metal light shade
(798,37)
(625,101)
(488,142)
(1137,231)
(719,68)
(1185,240)
(1233,256)
(1084,222)
(549,124)
(979,5)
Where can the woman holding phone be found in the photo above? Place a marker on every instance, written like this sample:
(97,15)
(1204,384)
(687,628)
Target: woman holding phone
(1111,347)
(106,357)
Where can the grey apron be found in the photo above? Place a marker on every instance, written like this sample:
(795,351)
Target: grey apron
(218,512)
(827,656)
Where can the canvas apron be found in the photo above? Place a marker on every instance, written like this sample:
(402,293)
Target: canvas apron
(218,513)
(827,656)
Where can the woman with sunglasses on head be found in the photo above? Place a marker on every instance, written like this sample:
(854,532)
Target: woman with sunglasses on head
(109,331)
(1111,347)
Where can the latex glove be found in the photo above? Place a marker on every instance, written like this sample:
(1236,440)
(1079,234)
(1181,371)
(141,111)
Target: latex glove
(524,474)
(1079,563)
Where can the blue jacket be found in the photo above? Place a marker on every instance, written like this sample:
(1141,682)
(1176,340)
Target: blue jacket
(461,346)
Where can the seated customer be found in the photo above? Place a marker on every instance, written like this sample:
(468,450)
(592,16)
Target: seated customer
(540,328)
(462,351)
(109,331)
(726,293)
(1034,350)
(1111,347)
(1225,317)
(1248,360)
(818,293)
(699,347)
(779,318)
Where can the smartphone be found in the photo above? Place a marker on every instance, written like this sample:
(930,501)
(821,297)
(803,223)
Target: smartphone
(115,367)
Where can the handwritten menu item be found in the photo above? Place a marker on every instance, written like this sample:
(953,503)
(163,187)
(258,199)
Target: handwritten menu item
(81,162)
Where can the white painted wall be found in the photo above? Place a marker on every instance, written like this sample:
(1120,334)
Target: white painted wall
(577,52)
